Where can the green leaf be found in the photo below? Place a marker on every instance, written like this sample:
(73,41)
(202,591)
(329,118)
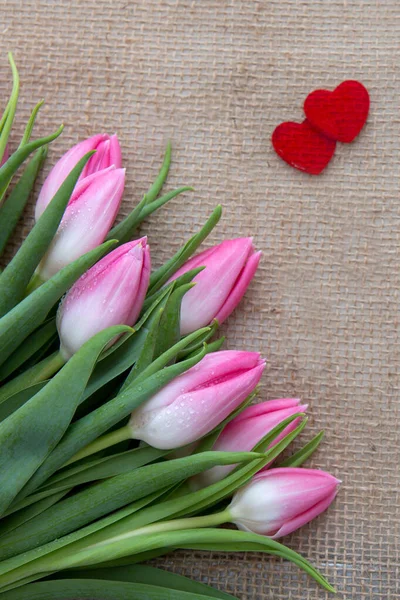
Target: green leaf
(225,540)
(39,338)
(13,206)
(169,330)
(215,346)
(70,589)
(15,402)
(9,114)
(17,274)
(22,516)
(127,561)
(121,230)
(198,343)
(42,371)
(149,576)
(204,539)
(151,207)
(109,495)
(101,468)
(155,189)
(29,435)
(90,427)
(9,168)
(299,457)
(145,357)
(29,127)
(24,318)
(181,280)
(86,472)
(126,228)
(161,275)
(19,566)
(169,356)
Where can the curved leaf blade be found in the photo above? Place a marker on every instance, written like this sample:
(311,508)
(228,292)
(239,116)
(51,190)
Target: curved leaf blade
(29,435)
(24,318)
(70,589)
(9,168)
(109,495)
(39,338)
(13,206)
(163,273)
(17,274)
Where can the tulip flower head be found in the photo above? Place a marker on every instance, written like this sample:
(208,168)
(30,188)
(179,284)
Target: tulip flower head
(108,153)
(110,293)
(229,268)
(91,211)
(247,429)
(196,402)
(279,501)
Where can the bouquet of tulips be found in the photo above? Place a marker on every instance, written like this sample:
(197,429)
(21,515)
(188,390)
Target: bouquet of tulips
(125,431)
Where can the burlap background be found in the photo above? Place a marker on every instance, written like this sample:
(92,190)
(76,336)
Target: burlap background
(217,76)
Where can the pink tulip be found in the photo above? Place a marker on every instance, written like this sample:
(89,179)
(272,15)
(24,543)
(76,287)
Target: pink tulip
(108,153)
(247,429)
(229,268)
(279,501)
(4,158)
(110,293)
(88,217)
(196,402)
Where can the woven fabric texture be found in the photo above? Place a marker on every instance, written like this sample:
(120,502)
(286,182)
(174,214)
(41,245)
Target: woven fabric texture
(216,77)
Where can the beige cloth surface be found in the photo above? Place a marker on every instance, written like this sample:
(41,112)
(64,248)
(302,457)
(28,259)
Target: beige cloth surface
(216,77)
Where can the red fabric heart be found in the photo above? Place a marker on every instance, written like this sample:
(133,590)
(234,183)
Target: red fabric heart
(340,114)
(303,147)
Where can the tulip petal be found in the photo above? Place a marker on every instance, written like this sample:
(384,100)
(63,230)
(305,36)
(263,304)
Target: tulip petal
(195,413)
(213,366)
(277,501)
(249,428)
(214,284)
(111,293)
(240,288)
(62,168)
(307,516)
(269,406)
(90,213)
(108,153)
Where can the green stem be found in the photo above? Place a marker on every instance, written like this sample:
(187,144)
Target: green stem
(76,555)
(40,372)
(103,442)
(212,520)
(35,282)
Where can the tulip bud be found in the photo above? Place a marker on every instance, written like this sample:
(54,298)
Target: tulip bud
(279,501)
(196,402)
(246,430)
(108,153)
(229,268)
(110,293)
(4,158)
(91,211)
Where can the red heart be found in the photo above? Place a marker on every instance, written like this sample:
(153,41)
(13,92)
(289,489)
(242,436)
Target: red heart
(340,114)
(303,147)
